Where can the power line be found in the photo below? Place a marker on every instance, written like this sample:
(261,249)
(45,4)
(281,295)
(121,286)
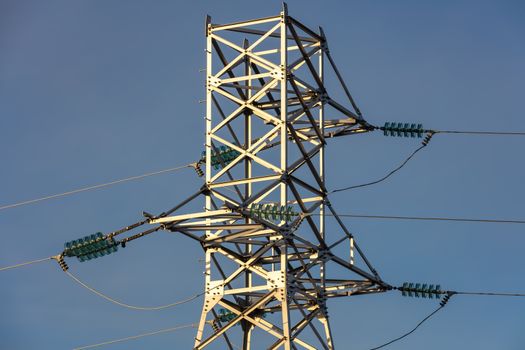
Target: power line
(94,187)
(425,142)
(411,331)
(424,291)
(144,308)
(480,132)
(167,330)
(389,217)
(108,298)
(384,177)
(492,294)
(443,303)
(25,263)
(83,189)
(407,129)
(429,218)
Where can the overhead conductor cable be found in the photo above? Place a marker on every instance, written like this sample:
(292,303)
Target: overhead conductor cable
(94,187)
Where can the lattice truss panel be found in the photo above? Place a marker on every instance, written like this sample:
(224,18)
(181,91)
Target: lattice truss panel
(269,258)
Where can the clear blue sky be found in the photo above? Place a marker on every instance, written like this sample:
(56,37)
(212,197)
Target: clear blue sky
(92,91)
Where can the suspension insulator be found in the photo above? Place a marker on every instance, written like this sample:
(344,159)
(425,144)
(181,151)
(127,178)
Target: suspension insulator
(402,130)
(90,247)
(225,315)
(421,290)
(274,212)
(222,153)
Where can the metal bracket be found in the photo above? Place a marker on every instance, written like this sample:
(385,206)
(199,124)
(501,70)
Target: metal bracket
(278,73)
(214,293)
(215,82)
(276,281)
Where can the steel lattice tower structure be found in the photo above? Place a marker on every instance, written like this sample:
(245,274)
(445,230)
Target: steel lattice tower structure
(267,268)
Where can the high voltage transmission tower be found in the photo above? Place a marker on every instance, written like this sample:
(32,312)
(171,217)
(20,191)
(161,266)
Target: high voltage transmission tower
(267,256)
(271,264)
(267,264)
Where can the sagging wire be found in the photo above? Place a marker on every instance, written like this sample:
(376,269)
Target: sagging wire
(61,262)
(424,144)
(108,298)
(133,307)
(419,290)
(97,245)
(442,304)
(416,130)
(429,291)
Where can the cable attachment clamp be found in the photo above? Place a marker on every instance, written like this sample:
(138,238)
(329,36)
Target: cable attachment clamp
(427,138)
(61,262)
(446,298)
(198,170)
